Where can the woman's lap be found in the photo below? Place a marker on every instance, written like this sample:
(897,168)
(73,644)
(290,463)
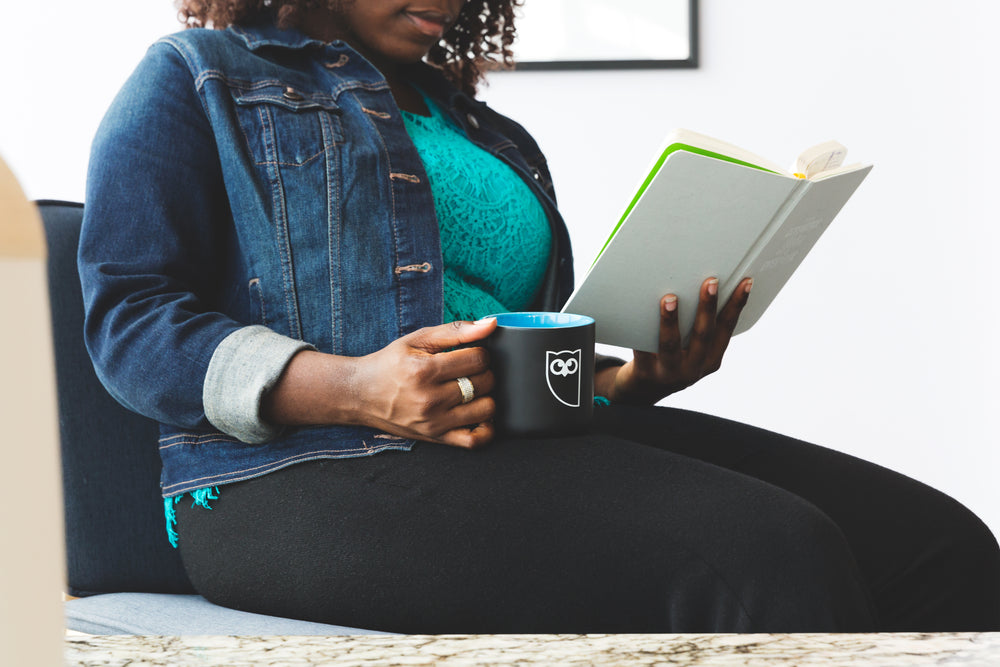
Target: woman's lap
(589,534)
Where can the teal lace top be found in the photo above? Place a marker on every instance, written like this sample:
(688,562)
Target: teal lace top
(495,238)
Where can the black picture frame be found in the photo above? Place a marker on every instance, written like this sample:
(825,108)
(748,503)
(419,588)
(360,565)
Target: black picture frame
(691,62)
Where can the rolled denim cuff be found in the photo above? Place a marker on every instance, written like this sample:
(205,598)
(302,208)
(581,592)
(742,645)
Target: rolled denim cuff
(243,367)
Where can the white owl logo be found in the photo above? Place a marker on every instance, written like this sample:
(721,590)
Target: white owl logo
(562,374)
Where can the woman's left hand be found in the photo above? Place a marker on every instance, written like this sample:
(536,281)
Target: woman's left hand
(649,377)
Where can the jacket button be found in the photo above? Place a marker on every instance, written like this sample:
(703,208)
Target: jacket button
(291,95)
(537,175)
(473,121)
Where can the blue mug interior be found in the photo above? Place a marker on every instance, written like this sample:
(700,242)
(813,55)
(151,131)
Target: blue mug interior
(529,320)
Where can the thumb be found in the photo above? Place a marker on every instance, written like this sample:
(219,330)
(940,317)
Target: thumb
(452,334)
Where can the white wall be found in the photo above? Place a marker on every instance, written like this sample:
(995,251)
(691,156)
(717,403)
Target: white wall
(882,344)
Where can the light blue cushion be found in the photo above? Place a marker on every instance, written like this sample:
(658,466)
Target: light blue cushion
(163,614)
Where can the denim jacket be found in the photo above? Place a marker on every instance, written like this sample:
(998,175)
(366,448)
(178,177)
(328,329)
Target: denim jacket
(252,192)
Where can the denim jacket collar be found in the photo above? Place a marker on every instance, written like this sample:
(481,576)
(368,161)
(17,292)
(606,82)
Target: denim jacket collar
(263,35)
(429,78)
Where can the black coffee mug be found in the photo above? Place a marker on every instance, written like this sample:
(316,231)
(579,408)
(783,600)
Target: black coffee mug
(544,369)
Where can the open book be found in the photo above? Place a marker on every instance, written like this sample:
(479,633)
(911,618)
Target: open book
(708,208)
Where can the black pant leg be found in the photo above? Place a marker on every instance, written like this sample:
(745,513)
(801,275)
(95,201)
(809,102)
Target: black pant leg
(589,534)
(930,563)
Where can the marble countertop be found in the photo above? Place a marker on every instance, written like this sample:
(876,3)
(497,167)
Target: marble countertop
(639,649)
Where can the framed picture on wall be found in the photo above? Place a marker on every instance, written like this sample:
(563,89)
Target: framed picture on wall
(607,34)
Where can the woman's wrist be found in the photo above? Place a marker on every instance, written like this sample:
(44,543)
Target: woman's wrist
(314,389)
(604,382)
(619,384)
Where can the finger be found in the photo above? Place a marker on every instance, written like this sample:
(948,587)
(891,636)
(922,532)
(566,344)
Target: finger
(451,334)
(466,361)
(727,320)
(450,410)
(482,409)
(669,350)
(704,321)
(730,313)
(447,417)
(468,437)
(482,385)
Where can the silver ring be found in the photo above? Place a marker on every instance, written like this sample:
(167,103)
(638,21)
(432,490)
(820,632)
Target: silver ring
(468,391)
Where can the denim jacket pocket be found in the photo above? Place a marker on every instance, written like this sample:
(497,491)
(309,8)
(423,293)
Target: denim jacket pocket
(286,126)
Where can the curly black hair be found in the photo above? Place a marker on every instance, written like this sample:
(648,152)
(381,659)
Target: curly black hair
(480,39)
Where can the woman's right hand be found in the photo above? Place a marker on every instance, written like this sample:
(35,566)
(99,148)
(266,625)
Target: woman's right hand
(408,388)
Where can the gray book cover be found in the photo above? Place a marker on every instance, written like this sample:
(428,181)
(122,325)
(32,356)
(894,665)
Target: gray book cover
(700,217)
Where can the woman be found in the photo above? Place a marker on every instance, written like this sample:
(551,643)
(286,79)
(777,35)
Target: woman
(283,211)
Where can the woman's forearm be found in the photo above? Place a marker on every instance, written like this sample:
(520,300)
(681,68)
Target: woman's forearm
(407,388)
(315,388)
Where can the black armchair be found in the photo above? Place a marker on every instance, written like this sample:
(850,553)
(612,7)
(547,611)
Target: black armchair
(126,576)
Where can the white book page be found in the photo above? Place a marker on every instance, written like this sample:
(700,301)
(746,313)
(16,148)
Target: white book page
(820,158)
(714,145)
